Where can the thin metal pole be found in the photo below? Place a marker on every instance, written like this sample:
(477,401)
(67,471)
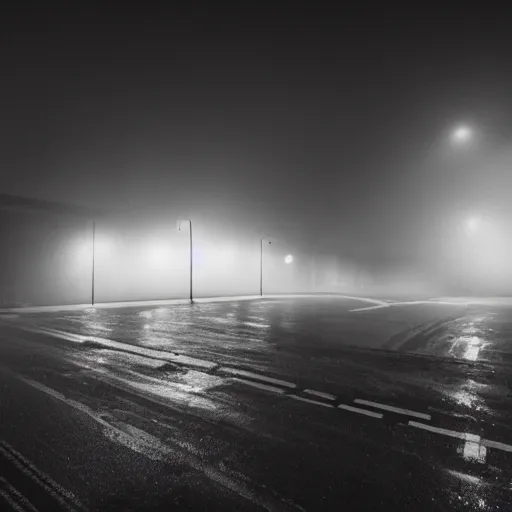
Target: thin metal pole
(261,267)
(191,296)
(93,263)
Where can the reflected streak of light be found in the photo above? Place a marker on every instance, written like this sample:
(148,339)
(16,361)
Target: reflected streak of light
(98,326)
(473,451)
(471,353)
(465,398)
(258,326)
(466,477)
(180,395)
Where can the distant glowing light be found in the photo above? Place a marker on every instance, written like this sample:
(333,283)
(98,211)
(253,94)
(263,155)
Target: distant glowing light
(288,259)
(462,134)
(474,224)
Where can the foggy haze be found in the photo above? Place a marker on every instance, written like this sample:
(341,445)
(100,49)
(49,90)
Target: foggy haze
(324,129)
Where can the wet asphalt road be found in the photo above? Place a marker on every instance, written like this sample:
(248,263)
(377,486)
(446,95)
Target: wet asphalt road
(275,404)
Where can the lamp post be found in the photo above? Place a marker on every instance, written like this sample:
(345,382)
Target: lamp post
(190,252)
(261,264)
(93,258)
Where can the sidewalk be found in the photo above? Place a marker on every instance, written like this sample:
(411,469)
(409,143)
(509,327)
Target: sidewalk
(151,303)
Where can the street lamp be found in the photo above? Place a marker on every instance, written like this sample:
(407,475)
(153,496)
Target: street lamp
(261,263)
(462,135)
(93,259)
(473,224)
(178,225)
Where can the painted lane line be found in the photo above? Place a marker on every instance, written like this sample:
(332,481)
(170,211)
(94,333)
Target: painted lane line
(267,501)
(255,376)
(302,399)
(45,478)
(259,385)
(443,431)
(390,408)
(495,444)
(360,411)
(67,336)
(125,347)
(328,296)
(369,308)
(19,497)
(327,396)
(409,303)
(36,479)
(474,447)
(11,502)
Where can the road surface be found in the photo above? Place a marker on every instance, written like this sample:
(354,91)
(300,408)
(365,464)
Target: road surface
(274,404)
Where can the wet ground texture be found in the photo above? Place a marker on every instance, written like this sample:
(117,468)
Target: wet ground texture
(274,404)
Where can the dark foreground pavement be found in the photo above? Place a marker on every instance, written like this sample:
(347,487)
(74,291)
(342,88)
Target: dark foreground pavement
(260,405)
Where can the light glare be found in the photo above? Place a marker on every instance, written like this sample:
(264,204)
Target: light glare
(462,134)
(473,224)
(288,259)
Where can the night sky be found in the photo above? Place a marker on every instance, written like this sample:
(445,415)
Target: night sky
(331,124)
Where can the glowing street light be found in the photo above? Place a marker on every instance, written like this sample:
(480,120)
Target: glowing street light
(473,224)
(462,135)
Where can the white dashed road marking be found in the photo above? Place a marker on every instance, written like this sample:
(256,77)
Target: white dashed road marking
(475,447)
(390,408)
(256,376)
(327,396)
(497,445)
(302,399)
(442,431)
(259,385)
(360,411)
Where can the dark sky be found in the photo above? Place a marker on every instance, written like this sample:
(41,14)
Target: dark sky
(329,122)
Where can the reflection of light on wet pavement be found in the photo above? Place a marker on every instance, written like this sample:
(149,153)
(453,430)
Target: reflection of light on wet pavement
(465,398)
(473,450)
(469,491)
(472,352)
(467,395)
(258,326)
(469,342)
(465,477)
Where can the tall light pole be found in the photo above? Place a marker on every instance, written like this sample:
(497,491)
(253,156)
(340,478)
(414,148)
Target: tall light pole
(191,260)
(93,258)
(261,264)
